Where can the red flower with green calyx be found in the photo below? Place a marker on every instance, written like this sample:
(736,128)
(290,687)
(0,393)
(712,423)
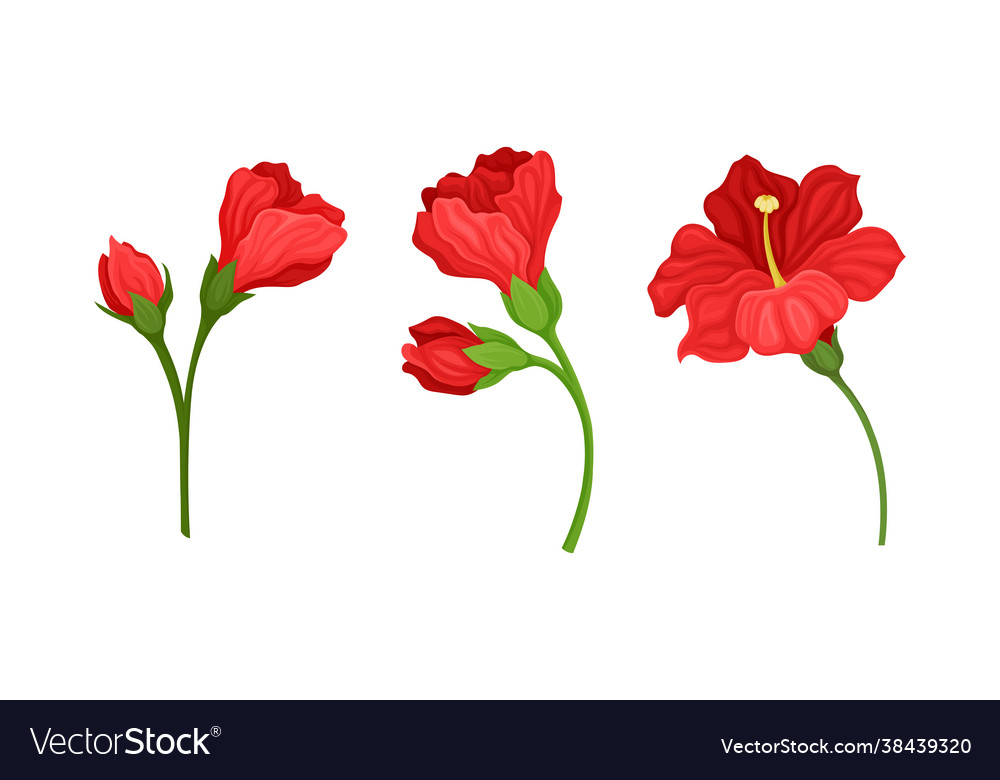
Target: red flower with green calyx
(494,224)
(780,267)
(438,360)
(777,274)
(272,236)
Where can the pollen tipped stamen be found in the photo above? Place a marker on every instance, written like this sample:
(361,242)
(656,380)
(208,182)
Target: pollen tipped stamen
(766,204)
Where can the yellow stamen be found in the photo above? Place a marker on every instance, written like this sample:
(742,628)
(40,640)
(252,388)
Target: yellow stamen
(765,204)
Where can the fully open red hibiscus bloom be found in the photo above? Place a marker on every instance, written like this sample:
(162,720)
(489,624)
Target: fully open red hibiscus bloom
(124,270)
(780,267)
(494,223)
(278,236)
(437,359)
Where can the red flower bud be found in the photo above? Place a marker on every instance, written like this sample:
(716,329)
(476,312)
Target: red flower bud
(437,359)
(124,270)
(279,237)
(493,223)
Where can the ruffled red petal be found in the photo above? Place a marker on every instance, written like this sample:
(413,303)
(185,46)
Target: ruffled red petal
(247,194)
(503,159)
(440,327)
(738,222)
(792,317)
(472,244)
(314,204)
(289,190)
(862,262)
(711,312)
(428,382)
(284,249)
(492,175)
(827,208)
(697,256)
(533,204)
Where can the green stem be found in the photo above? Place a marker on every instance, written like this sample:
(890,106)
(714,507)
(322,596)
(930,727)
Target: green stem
(182,417)
(883,505)
(568,377)
(184,421)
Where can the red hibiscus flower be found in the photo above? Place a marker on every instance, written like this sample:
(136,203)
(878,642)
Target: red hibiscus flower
(780,267)
(124,270)
(279,237)
(494,223)
(437,359)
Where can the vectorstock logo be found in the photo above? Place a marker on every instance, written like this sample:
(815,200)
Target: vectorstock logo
(137,741)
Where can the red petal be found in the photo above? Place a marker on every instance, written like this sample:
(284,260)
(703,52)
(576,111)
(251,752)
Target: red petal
(247,194)
(445,364)
(129,271)
(862,262)
(827,208)
(533,205)
(284,249)
(289,190)
(790,318)
(428,382)
(697,256)
(440,327)
(492,175)
(472,244)
(117,306)
(504,159)
(314,204)
(711,312)
(737,221)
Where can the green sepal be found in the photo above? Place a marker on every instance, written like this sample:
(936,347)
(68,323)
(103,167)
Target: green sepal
(168,294)
(550,293)
(120,317)
(530,310)
(219,296)
(825,359)
(237,299)
(493,354)
(211,271)
(146,317)
(488,334)
(491,379)
(508,304)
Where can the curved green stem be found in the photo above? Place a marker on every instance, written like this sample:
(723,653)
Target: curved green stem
(184,421)
(567,376)
(182,417)
(883,505)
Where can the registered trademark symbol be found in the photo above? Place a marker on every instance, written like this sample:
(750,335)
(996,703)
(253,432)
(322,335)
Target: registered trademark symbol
(216,731)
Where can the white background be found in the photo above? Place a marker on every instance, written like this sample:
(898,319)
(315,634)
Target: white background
(356,536)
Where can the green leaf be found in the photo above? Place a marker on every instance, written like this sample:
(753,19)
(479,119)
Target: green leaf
(168,294)
(529,305)
(490,379)
(211,271)
(147,319)
(495,355)
(220,289)
(553,298)
(488,334)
